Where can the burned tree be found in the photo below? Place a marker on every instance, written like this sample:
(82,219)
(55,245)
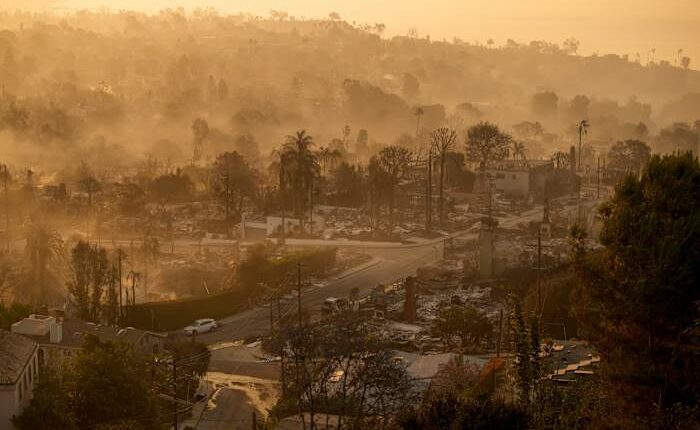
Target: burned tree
(442,141)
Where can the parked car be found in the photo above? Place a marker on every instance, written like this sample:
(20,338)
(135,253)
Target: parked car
(204,325)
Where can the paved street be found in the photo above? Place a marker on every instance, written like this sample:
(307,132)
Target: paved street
(389,265)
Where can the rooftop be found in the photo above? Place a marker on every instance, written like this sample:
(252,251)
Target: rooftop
(75,330)
(15,352)
(519,165)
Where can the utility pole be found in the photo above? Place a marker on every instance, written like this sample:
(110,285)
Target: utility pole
(598,186)
(490,205)
(133,275)
(299,290)
(539,266)
(121,303)
(272,316)
(174,395)
(311,206)
(428,192)
(500,333)
(145,270)
(5,176)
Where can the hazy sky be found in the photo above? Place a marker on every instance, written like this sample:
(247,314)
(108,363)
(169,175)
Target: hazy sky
(605,26)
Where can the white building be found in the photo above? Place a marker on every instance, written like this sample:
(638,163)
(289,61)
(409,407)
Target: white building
(518,179)
(19,369)
(60,340)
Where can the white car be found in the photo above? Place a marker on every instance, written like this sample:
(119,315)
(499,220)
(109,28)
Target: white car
(204,325)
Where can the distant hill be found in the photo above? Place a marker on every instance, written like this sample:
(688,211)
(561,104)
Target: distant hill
(133,79)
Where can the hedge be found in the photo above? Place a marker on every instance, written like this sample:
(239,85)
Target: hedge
(176,314)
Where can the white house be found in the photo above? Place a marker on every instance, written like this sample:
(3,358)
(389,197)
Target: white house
(19,369)
(519,179)
(60,340)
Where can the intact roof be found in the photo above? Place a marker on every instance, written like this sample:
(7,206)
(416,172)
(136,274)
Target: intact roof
(75,330)
(15,353)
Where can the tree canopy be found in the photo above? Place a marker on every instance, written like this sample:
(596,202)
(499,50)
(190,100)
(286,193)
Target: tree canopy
(486,143)
(107,386)
(643,286)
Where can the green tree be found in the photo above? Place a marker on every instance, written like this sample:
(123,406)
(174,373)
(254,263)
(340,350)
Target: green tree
(193,361)
(393,162)
(643,286)
(327,157)
(302,164)
(233,181)
(449,411)
(90,274)
(172,187)
(349,185)
(50,406)
(110,386)
(13,313)
(629,156)
(106,388)
(486,143)
(43,250)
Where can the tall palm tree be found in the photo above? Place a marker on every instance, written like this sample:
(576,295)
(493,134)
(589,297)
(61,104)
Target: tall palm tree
(327,156)
(283,179)
(44,247)
(418,112)
(582,130)
(302,164)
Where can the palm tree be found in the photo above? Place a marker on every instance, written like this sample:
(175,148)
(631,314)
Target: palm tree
(582,130)
(327,156)
(418,112)
(283,179)
(44,247)
(302,166)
